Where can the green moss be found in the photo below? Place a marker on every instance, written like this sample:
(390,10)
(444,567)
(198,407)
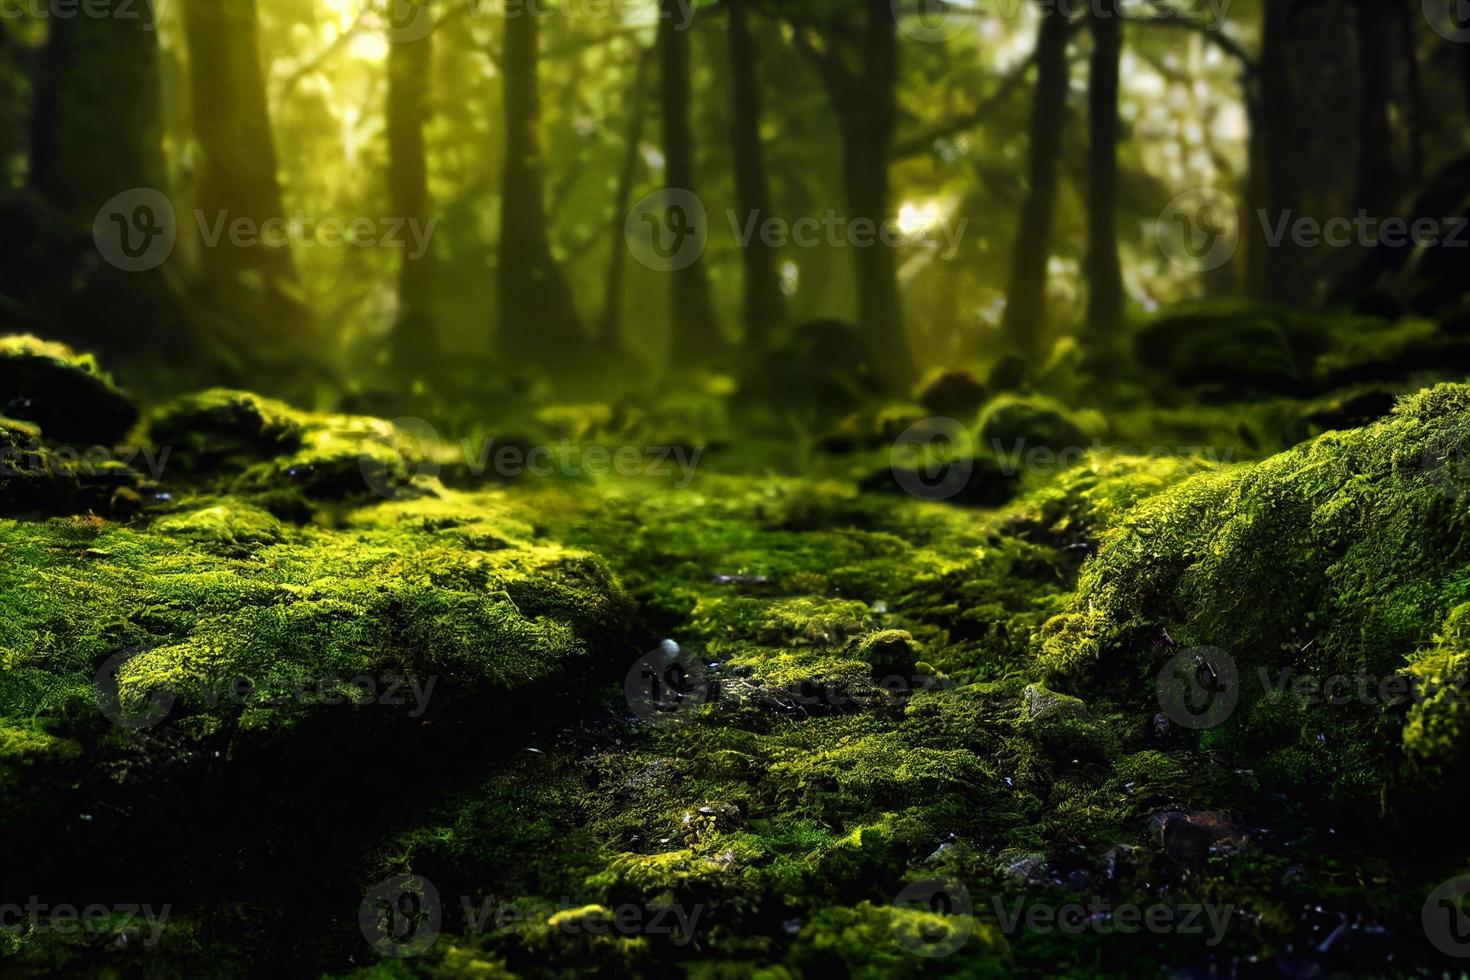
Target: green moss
(223,592)
(874,941)
(1338,557)
(222,428)
(63,392)
(1011,423)
(796,804)
(241,443)
(877,772)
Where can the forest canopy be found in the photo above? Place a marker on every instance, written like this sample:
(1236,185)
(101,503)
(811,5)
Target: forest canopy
(337,176)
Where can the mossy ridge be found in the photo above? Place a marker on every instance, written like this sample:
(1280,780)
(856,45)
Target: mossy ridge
(292,462)
(220,619)
(64,392)
(1338,557)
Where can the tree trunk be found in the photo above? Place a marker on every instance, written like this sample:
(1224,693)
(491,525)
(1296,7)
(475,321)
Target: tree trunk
(1025,313)
(867,113)
(253,285)
(1408,23)
(97,127)
(415,338)
(538,320)
(609,337)
(695,329)
(1379,178)
(764,304)
(1105,297)
(96,132)
(1282,269)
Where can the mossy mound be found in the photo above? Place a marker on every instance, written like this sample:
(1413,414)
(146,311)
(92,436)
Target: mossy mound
(291,461)
(956,393)
(63,392)
(1230,352)
(1015,423)
(1337,561)
(31,478)
(224,592)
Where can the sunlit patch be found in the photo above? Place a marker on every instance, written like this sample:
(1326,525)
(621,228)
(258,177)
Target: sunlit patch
(915,219)
(790,277)
(344,12)
(367,46)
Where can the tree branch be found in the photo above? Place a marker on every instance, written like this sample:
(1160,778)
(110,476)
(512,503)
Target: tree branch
(1211,35)
(1008,85)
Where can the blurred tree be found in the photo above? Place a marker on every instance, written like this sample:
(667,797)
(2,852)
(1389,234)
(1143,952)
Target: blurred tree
(538,319)
(1105,297)
(1281,263)
(696,329)
(1024,323)
(99,88)
(609,336)
(857,58)
(414,341)
(250,285)
(96,131)
(1380,37)
(764,305)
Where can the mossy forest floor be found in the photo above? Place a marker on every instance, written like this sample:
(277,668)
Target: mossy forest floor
(314,699)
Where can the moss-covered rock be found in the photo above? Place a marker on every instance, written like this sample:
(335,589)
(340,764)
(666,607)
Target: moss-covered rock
(956,393)
(1333,562)
(65,393)
(32,479)
(871,941)
(226,429)
(291,461)
(1011,424)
